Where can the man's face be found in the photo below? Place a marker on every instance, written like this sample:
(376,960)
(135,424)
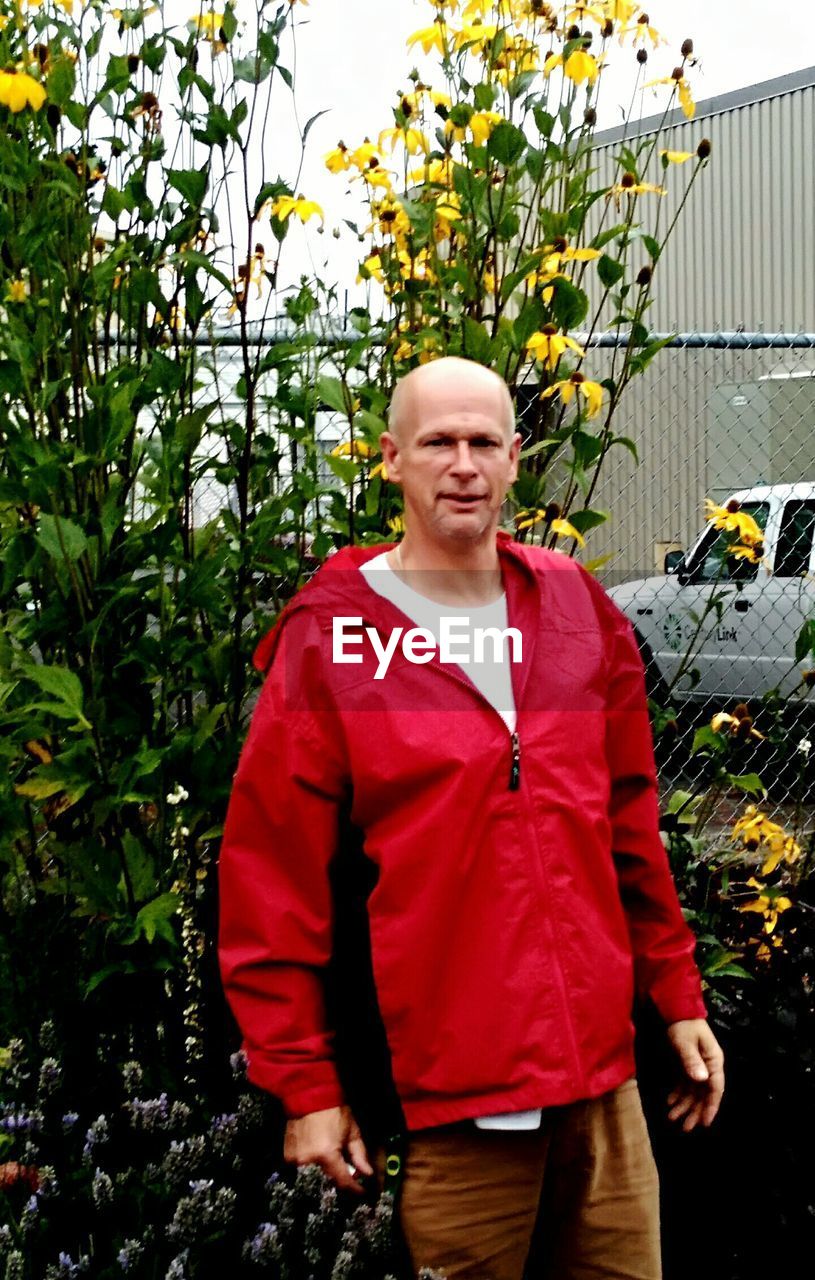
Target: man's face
(453,458)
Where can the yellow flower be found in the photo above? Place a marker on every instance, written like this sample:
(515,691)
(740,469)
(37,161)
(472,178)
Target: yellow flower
(474,34)
(379,470)
(338,159)
(769,902)
(644,31)
(404,351)
(439,172)
(285,206)
(397,524)
(371,267)
(431,37)
(210,27)
(448,211)
(736,521)
(582,11)
(390,218)
(481,125)
(353,449)
(754,829)
(579,66)
(678,157)
(17,291)
(547,345)
(18,90)
(413,139)
(592,391)
(560,528)
(629,186)
(738,726)
(364,154)
(683,88)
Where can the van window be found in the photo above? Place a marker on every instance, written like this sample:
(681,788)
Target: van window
(795,540)
(707,563)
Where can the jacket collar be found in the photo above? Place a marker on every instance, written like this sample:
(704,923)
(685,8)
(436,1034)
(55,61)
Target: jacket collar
(337,587)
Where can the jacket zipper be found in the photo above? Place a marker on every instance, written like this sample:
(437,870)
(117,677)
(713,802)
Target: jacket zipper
(515,769)
(514,737)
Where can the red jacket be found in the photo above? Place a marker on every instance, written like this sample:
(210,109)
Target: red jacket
(523,891)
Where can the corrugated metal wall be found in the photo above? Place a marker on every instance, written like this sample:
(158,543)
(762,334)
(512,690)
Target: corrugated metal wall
(742,257)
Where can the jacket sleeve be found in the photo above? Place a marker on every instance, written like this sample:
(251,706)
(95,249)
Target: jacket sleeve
(662,943)
(276,918)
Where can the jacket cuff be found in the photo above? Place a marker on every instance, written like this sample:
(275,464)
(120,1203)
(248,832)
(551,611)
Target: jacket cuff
(318,1085)
(679,998)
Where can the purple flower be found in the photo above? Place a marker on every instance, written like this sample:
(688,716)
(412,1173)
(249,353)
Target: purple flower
(264,1247)
(69,1120)
(149,1114)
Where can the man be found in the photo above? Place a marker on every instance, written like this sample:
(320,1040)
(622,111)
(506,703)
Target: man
(521,894)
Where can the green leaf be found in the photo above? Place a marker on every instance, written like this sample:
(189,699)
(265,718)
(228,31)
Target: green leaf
(61,81)
(154,917)
(610,270)
(506,143)
(749,782)
(476,345)
(706,740)
(544,120)
(64,686)
(60,537)
(569,304)
(484,95)
(189,183)
(587,519)
(652,246)
(331,392)
(344,468)
(628,444)
(805,643)
(642,359)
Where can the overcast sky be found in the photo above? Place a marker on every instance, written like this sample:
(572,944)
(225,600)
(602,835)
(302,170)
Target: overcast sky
(352,58)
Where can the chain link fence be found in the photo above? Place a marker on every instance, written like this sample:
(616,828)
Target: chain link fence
(729,417)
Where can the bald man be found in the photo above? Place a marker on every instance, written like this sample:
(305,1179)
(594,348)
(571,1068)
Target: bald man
(468,715)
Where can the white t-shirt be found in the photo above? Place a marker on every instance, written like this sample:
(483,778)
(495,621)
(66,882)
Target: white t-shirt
(492,678)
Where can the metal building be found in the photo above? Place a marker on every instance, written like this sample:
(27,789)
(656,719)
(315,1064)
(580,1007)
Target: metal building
(716,413)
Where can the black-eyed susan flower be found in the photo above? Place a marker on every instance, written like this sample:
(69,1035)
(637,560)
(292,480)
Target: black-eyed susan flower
(414,140)
(677,157)
(285,206)
(431,37)
(734,521)
(547,345)
(338,159)
(371,268)
(629,186)
(737,725)
(579,66)
(554,524)
(353,449)
(567,388)
(677,79)
(769,902)
(19,90)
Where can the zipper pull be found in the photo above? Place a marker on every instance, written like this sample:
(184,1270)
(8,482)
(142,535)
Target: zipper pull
(515,771)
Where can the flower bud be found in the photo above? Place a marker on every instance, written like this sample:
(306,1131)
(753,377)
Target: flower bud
(642,56)
(573,33)
(644,276)
(590,117)
(133,63)
(687,48)
(552,512)
(607,30)
(703,150)
(678,73)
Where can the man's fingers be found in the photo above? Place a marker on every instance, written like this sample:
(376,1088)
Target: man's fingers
(681,1106)
(359,1156)
(336,1167)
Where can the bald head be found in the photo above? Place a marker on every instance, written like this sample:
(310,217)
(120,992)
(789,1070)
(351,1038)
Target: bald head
(442,378)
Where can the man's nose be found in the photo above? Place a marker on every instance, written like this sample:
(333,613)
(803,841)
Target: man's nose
(464,463)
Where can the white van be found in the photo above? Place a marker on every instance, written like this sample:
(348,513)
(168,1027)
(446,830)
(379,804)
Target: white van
(748,646)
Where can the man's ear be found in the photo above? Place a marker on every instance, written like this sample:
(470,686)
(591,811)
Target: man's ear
(514,457)
(390,455)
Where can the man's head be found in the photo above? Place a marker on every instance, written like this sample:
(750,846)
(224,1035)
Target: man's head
(452,448)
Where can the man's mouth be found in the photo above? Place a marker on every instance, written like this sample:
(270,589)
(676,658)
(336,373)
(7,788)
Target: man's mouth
(463,499)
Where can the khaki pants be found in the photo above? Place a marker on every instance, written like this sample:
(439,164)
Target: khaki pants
(472,1197)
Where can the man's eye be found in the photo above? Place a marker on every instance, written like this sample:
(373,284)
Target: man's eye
(435,443)
(485,444)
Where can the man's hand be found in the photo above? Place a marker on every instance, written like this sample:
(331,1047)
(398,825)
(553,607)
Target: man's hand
(331,1139)
(697,1098)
